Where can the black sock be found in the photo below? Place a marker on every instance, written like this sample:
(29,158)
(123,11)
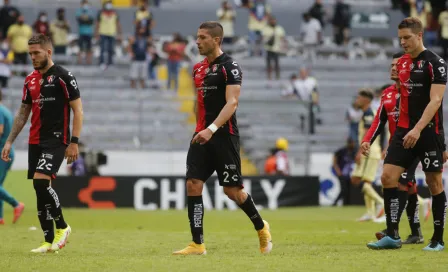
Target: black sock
(439,206)
(51,200)
(413,215)
(196,216)
(251,211)
(391,208)
(402,199)
(45,220)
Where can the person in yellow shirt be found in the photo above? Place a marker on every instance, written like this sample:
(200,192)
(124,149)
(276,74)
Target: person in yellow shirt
(366,167)
(144,18)
(59,29)
(18,36)
(258,17)
(108,29)
(443,21)
(273,39)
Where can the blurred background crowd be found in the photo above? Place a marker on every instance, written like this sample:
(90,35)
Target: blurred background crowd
(303,62)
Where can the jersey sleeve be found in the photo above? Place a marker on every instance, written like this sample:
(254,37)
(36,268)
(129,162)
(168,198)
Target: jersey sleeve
(439,71)
(70,86)
(377,125)
(26,97)
(233,73)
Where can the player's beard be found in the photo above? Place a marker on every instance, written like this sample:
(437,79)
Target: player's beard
(43,64)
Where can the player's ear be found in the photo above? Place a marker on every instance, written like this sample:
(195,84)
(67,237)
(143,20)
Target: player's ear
(49,52)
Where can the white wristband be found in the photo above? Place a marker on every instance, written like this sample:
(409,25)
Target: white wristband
(213,128)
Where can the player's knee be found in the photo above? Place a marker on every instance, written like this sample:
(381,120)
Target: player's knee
(194,187)
(235,193)
(41,184)
(388,180)
(434,181)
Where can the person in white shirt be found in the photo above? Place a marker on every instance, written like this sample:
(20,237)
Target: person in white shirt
(226,17)
(274,39)
(311,34)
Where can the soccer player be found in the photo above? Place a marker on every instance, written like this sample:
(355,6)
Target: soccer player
(419,134)
(215,145)
(388,111)
(366,167)
(6,120)
(49,92)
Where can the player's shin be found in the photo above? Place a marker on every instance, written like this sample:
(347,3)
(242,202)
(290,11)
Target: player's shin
(439,206)
(51,200)
(196,216)
(248,206)
(392,206)
(412,212)
(45,219)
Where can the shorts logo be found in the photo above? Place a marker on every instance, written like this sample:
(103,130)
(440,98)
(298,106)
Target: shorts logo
(230,166)
(50,79)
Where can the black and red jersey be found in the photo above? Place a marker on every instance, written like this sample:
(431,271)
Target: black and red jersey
(388,111)
(416,77)
(211,80)
(49,95)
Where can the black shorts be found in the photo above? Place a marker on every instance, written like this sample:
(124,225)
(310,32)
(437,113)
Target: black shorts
(45,160)
(85,43)
(220,154)
(408,177)
(429,149)
(272,57)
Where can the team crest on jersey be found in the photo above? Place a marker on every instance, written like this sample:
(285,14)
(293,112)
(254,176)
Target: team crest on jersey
(50,79)
(41,81)
(420,64)
(215,68)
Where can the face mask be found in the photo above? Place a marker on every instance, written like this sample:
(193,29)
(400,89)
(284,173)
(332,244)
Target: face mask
(43,19)
(108,6)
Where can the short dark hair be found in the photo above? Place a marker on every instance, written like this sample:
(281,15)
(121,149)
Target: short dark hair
(366,92)
(214,29)
(41,39)
(398,55)
(412,23)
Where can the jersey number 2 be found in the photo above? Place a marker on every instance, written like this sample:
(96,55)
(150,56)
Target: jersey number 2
(42,165)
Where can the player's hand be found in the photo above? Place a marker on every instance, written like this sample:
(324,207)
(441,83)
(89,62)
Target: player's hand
(71,153)
(202,137)
(365,148)
(5,152)
(358,158)
(383,154)
(445,156)
(411,138)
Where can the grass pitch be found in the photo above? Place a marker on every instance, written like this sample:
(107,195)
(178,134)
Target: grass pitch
(305,239)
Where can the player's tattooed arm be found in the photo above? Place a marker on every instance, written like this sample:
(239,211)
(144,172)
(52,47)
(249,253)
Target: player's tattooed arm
(19,122)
